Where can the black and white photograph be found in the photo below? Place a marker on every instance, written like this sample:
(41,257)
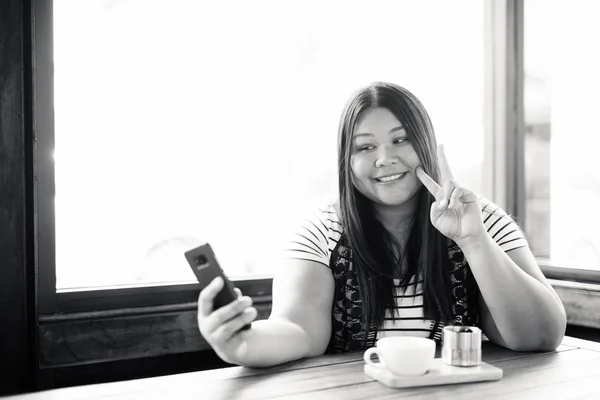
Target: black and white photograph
(299,199)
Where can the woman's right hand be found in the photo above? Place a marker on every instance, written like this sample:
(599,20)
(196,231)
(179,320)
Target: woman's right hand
(221,328)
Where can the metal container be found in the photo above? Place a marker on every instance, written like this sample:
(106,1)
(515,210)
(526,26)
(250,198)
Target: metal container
(461,345)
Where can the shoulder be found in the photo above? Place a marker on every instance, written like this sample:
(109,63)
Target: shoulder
(488,207)
(327,220)
(331,217)
(501,226)
(493,212)
(316,236)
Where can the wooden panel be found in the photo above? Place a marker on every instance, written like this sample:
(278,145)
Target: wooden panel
(102,336)
(581,301)
(128,296)
(16,267)
(43,152)
(564,273)
(123,370)
(91,338)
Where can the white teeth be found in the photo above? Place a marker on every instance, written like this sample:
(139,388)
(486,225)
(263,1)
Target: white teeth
(390,178)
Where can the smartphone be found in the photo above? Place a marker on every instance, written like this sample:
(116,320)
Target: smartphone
(204,263)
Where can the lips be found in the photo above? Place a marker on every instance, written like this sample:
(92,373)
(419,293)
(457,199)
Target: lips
(390,178)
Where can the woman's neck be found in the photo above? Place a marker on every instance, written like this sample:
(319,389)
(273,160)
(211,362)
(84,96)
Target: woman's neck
(397,220)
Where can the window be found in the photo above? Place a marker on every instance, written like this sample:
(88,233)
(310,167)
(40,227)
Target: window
(562,166)
(186,121)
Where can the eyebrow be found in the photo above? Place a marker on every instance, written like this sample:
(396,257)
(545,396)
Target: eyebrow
(396,129)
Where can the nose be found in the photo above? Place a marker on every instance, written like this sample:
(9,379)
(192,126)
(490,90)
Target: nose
(386,156)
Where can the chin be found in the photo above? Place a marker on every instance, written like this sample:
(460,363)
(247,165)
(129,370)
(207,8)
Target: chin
(391,202)
(394,201)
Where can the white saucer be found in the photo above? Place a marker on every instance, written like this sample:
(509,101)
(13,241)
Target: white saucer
(439,374)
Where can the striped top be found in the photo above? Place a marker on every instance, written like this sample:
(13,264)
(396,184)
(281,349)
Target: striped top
(318,236)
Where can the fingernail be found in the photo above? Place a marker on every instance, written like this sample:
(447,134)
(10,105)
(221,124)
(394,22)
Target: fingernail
(246,300)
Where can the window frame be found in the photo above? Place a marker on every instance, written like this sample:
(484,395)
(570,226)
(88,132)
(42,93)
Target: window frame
(18,344)
(511,104)
(578,289)
(504,109)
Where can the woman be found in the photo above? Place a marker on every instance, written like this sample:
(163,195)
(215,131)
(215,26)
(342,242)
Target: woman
(397,254)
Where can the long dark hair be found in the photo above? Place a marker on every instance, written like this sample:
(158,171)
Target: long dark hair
(426,248)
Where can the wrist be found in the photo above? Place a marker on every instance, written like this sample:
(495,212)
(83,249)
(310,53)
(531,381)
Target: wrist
(474,242)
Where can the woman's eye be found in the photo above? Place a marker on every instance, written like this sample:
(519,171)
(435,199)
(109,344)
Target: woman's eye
(400,140)
(366,147)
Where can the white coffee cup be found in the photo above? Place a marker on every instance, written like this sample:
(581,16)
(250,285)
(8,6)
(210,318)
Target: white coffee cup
(403,355)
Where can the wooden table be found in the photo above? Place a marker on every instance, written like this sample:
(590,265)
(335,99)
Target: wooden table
(570,372)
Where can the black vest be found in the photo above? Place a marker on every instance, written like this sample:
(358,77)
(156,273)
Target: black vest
(348,331)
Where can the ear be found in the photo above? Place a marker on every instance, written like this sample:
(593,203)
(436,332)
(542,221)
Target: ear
(446,172)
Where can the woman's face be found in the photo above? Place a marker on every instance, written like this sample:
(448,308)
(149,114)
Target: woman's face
(383,160)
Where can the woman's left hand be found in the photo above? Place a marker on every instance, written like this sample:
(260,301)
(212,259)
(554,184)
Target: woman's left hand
(456,213)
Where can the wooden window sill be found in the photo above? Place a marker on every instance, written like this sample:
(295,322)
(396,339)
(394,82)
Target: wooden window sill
(581,301)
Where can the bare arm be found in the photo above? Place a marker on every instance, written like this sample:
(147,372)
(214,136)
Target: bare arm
(300,321)
(520,309)
(299,325)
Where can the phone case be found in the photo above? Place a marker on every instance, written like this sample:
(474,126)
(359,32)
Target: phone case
(204,263)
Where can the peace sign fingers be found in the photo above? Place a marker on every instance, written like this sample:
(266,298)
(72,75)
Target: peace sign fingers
(429,183)
(445,170)
(445,195)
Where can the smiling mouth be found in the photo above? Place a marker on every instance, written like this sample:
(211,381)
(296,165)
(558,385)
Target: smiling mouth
(390,178)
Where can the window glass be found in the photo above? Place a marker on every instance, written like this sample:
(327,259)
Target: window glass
(562,164)
(182,122)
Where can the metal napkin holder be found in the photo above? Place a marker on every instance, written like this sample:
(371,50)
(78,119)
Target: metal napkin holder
(461,345)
